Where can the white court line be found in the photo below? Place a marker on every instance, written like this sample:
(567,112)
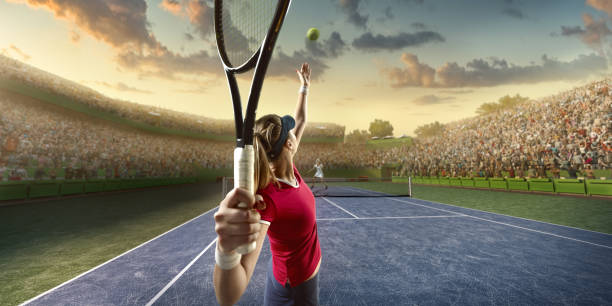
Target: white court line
(161,292)
(382,218)
(520,227)
(332,203)
(109,261)
(576,228)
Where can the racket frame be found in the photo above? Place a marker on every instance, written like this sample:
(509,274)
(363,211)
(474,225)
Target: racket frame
(244,153)
(259,60)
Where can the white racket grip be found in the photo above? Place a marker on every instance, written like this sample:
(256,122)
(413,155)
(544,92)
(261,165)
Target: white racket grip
(244,173)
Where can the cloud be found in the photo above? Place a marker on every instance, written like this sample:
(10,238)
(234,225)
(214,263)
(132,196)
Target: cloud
(283,65)
(418,25)
(75,36)
(199,13)
(172,6)
(457,92)
(592,35)
(419,2)
(100,19)
(514,13)
(350,8)
(14,49)
(137,48)
(369,42)
(491,72)
(200,86)
(431,99)
(569,31)
(333,47)
(389,12)
(596,30)
(201,17)
(169,65)
(123,87)
(602,5)
(482,73)
(23,55)
(189,37)
(414,74)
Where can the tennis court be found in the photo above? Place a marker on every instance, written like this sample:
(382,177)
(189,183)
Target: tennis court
(378,250)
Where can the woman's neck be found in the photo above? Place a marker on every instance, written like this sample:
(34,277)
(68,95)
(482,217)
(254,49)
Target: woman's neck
(284,170)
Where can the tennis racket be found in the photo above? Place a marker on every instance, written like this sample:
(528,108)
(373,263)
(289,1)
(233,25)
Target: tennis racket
(246,32)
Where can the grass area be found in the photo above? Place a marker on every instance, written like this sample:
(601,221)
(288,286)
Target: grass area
(587,213)
(47,243)
(388,143)
(593,214)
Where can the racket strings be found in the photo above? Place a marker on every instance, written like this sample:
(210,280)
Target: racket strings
(244,25)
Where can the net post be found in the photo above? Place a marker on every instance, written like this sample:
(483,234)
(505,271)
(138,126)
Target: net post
(410,186)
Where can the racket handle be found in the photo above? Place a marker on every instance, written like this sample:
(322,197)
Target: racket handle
(244,173)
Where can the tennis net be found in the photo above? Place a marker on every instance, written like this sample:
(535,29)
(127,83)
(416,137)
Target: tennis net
(349,187)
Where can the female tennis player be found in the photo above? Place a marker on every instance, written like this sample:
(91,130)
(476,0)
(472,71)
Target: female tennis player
(318,176)
(285,211)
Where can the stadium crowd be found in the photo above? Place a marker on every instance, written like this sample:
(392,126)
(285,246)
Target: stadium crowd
(43,141)
(570,131)
(54,141)
(17,71)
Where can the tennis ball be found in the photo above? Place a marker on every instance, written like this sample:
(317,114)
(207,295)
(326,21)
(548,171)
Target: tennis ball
(312,34)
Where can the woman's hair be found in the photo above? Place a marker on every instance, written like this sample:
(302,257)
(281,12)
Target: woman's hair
(267,132)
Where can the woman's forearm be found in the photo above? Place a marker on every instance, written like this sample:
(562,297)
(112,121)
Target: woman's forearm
(300,108)
(229,284)
(300,113)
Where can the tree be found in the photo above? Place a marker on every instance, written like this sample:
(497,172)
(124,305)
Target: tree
(504,102)
(509,102)
(380,128)
(487,108)
(357,137)
(429,130)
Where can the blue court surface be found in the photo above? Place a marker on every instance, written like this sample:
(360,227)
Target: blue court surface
(376,251)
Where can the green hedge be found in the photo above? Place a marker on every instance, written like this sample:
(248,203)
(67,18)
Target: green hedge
(95,186)
(599,187)
(545,185)
(569,186)
(399,179)
(498,183)
(112,185)
(574,186)
(40,189)
(517,184)
(481,182)
(467,182)
(72,187)
(13,190)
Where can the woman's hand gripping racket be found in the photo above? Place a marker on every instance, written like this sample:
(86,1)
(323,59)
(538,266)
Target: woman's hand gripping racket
(246,32)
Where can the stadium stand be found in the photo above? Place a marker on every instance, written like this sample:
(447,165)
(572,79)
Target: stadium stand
(570,131)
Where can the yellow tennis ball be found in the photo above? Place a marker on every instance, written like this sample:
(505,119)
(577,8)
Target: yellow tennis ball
(312,34)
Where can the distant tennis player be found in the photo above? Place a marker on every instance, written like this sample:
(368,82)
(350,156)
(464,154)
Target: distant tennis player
(286,212)
(318,176)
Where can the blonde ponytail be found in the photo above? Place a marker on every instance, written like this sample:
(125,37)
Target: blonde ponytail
(267,132)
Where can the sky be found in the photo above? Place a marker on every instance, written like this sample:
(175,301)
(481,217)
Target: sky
(410,62)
